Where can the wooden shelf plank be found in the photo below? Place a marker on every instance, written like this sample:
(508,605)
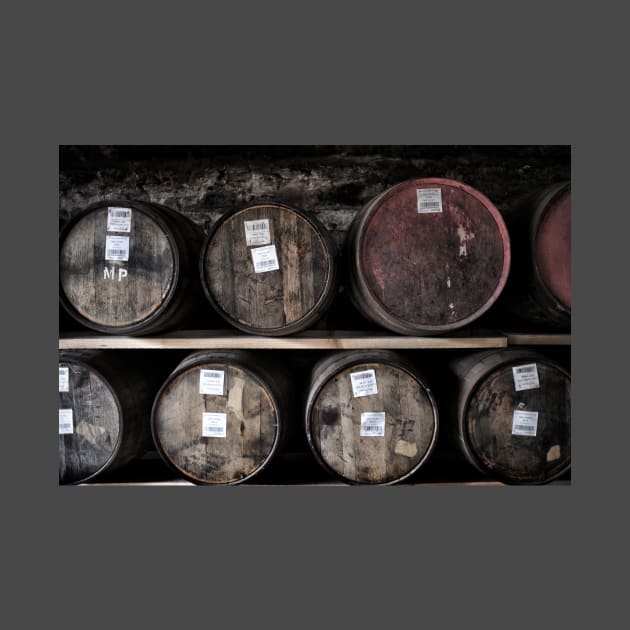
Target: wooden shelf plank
(310,340)
(537,339)
(481,484)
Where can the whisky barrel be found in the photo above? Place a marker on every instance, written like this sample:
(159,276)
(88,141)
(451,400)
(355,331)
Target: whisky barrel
(370,416)
(513,419)
(427,256)
(130,267)
(220,417)
(104,412)
(268,269)
(538,290)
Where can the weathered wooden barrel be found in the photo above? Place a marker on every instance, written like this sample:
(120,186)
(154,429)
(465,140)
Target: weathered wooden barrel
(269,269)
(104,412)
(220,417)
(427,256)
(538,290)
(130,267)
(513,418)
(370,416)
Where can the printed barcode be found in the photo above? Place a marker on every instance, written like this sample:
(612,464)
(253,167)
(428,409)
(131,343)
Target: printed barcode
(525,428)
(524,370)
(266,263)
(115,252)
(362,375)
(214,429)
(65,425)
(212,374)
(250,227)
(430,204)
(120,213)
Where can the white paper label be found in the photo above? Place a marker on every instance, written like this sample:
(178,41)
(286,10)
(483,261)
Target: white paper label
(64,379)
(525,377)
(265,259)
(211,382)
(429,199)
(118,219)
(116,248)
(257,232)
(65,421)
(373,424)
(524,422)
(363,383)
(214,424)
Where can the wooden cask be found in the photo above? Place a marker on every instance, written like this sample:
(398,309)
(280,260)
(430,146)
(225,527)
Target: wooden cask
(104,412)
(130,268)
(538,290)
(220,417)
(513,417)
(427,256)
(370,416)
(269,269)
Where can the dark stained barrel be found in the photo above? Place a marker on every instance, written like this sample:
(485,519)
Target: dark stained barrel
(427,256)
(370,417)
(513,419)
(130,267)
(104,412)
(220,417)
(269,269)
(538,290)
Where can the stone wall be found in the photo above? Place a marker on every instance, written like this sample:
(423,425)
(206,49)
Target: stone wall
(333,182)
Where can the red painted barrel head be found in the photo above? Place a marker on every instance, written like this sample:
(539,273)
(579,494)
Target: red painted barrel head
(552,249)
(434,254)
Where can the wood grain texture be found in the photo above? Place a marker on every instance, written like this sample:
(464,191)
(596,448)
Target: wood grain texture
(97,422)
(538,291)
(154,290)
(487,399)
(308,340)
(427,273)
(110,399)
(253,419)
(278,302)
(333,418)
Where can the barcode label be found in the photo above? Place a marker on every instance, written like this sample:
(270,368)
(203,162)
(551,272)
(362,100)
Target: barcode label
(265,259)
(524,423)
(116,248)
(257,232)
(211,382)
(64,379)
(363,383)
(373,424)
(65,421)
(525,377)
(429,199)
(213,424)
(118,219)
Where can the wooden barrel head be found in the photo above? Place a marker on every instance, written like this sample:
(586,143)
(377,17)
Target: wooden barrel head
(268,269)
(520,436)
(431,255)
(377,438)
(552,248)
(90,422)
(215,438)
(112,295)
